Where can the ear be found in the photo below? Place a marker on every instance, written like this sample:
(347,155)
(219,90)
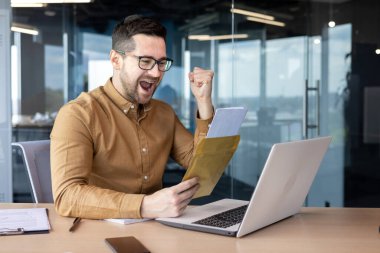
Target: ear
(116,60)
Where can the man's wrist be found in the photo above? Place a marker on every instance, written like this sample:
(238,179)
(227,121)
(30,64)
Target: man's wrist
(144,212)
(205,108)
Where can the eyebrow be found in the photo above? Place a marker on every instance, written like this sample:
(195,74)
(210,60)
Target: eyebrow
(159,59)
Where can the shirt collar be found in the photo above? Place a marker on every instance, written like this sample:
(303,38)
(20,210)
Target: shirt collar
(121,102)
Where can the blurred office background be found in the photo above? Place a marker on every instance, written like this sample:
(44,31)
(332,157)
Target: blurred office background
(303,68)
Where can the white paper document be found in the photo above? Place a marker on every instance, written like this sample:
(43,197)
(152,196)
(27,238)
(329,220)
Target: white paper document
(27,219)
(226,122)
(126,221)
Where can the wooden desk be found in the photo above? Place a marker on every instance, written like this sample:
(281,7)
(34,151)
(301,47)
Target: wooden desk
(313,230)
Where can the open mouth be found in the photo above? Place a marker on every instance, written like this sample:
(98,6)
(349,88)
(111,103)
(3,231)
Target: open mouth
(146,85)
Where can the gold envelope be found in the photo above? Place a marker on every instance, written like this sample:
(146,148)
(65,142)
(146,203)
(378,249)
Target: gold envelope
(211,157)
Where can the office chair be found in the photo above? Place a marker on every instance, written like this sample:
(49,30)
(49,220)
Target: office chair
(36,156)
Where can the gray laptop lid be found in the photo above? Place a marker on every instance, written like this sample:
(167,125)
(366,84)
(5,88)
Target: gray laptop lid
(282,188)
(284,183)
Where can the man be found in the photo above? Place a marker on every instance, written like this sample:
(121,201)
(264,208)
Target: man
(109,147)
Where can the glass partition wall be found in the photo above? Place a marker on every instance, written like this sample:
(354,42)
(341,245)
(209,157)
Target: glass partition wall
(299,74)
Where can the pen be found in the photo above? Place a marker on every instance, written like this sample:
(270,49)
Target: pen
(75,224)
(9,231)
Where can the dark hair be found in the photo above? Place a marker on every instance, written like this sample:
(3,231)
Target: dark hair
(124,31)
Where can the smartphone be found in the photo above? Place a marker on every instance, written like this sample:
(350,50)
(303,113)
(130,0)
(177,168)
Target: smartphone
(127,244)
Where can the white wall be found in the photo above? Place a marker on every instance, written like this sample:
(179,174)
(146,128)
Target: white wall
(5,104)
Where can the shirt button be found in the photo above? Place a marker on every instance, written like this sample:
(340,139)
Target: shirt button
(125,111)
(145,177)
(132,106)
(144,150)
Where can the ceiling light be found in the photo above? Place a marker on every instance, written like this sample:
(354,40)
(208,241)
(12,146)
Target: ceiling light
(332,24)
(27,5)
(198,37)
(49,13)
(21,28)
(48,1)
(252,14)
(217,37)
(269,22)
(377,51)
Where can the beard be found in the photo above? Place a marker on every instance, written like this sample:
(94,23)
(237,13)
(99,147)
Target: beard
(131,89)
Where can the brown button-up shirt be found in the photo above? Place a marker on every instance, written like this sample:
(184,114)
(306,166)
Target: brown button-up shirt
(107,153)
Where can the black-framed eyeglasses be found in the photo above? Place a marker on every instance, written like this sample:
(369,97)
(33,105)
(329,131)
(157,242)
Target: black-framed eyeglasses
(148,63)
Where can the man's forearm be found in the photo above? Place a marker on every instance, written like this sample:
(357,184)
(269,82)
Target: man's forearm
(92,202)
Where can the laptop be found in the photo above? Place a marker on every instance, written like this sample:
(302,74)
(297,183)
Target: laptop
(280,193)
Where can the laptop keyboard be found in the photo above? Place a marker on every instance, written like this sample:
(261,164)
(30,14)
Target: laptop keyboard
(225,219)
